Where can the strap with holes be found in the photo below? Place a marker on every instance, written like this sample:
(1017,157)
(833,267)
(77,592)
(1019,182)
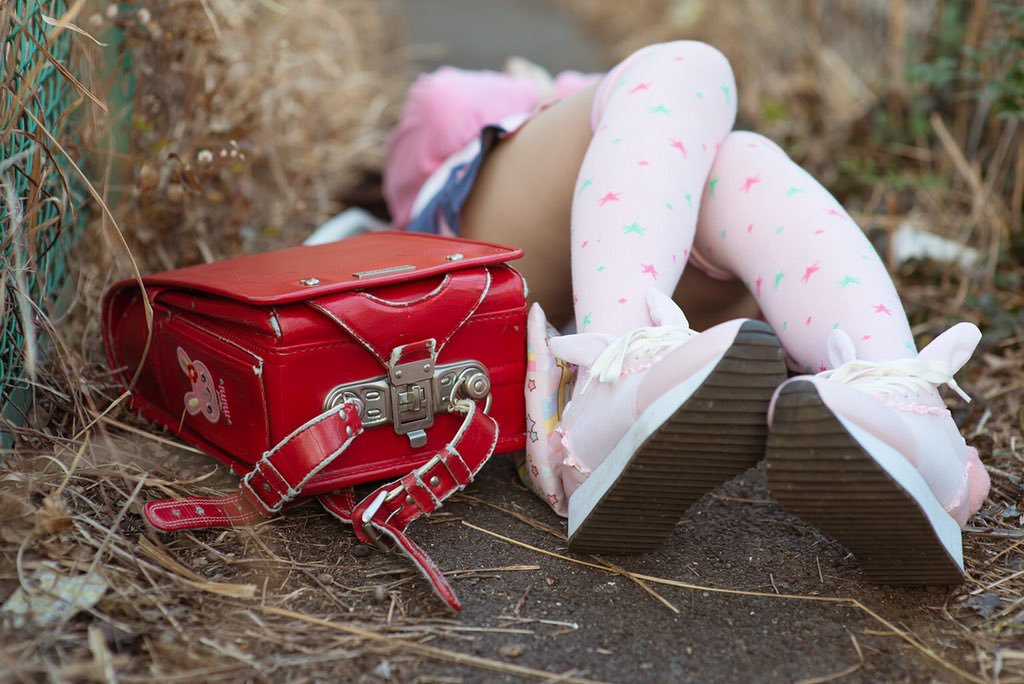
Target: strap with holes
(380,519)
(277,479)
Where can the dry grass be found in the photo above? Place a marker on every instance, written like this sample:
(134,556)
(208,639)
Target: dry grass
(249,121)
(255,612)
(246,124)
(212,128)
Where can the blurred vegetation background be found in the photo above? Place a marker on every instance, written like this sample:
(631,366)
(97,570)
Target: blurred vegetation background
(896,106)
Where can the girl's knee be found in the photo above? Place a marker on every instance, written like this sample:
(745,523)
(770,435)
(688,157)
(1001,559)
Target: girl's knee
(682,65)
(747,142)
(693,53)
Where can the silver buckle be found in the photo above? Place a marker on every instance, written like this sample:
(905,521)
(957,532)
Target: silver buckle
(411,394)
(368,527)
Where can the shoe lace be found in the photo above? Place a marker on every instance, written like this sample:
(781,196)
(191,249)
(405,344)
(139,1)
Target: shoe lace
(648,341)
(887,377)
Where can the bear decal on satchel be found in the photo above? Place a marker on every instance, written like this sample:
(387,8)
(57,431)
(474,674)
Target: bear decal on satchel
(203,397)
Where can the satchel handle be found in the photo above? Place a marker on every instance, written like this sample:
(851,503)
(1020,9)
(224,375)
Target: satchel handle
(379,519)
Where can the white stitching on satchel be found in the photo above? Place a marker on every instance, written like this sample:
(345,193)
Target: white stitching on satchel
(410,302)
(326,461)
(396,352)
(330,314)
(423,485)
(267,486)
(483,296)
(292,492)
(244,484)
(275,324)
(308,424)
(444,462)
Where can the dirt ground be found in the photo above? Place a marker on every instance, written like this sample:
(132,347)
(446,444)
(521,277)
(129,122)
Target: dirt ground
(742,591)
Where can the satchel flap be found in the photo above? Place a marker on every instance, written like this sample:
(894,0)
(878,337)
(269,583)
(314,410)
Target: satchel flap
(305,272)
(381,324)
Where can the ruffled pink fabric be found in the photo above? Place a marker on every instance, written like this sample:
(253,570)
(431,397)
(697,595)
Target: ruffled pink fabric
(445,110)
(978,482)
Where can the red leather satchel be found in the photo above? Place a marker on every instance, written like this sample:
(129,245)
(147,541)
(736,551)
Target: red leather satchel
(315,368)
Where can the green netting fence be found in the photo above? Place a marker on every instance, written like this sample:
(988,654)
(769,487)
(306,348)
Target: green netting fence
(38,216)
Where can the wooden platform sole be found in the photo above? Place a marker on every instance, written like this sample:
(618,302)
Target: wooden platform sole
(716,434)
(820,472)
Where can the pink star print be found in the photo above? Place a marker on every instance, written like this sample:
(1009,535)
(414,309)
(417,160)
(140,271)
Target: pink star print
(531,385)
(678,144)
(809,271)
(750,228)
(882,309)
(649,268)
(639,87)
(758,284)
(609,197)
(750,182)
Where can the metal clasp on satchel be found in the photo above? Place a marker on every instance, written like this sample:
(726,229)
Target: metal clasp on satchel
(412,393)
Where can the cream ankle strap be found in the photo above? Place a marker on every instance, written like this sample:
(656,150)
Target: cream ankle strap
(881,376)
(609,364)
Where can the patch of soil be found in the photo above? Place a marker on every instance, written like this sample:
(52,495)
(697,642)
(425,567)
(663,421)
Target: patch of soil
(533,610)
(736,539)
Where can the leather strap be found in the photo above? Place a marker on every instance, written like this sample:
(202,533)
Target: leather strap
(277,479)
(380,519)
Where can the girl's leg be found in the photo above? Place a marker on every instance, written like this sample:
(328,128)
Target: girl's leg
(526,194)
(867,440)
(523,197)
(646,415)
(709,301)
(658,119)
(809,266)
